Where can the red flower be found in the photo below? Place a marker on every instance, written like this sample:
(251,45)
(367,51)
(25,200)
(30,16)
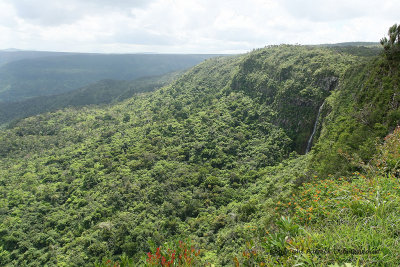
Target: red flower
(158,253)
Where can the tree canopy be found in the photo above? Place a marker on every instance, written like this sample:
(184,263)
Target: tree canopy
(391,44)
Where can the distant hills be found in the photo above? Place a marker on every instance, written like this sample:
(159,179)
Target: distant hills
(12,54)
(27,74)
(101,92)
(33,82)
(353,44)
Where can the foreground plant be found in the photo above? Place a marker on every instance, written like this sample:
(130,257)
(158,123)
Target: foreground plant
(182,254)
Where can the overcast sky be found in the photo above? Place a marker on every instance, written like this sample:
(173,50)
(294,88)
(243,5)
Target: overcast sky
(189,26)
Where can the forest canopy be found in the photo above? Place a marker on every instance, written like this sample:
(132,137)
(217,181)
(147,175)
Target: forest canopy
(212,167)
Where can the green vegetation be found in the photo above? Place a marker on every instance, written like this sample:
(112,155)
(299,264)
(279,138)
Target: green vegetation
(349,219)
(102,92)
(210,169)
(60,73)
(392,45)
(361,113)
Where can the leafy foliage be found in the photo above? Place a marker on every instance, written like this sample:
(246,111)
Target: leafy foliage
(360,114)
(350,219)
(392,45)
(207,157)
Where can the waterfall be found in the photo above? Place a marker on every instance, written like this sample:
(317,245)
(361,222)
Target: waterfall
(314,130)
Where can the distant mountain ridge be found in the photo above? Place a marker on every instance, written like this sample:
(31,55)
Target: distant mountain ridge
(352,44)
(30,74)
(12,54)
(10,50)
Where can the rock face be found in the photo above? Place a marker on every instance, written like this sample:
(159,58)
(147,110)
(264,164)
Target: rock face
(310,140)
(292,83)
(327,85)
(330,83)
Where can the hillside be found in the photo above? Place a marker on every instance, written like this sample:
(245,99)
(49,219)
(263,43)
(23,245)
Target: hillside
(214,159)
(60,73)
(102,92)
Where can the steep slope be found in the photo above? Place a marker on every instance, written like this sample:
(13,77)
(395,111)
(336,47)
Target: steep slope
(293,81)
(345,209)
(359,115)
(205,157)
(58,74)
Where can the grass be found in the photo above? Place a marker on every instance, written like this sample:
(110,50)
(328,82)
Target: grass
(334,221)
(330,221)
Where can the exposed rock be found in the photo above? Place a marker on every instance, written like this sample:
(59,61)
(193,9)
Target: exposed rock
(330,83)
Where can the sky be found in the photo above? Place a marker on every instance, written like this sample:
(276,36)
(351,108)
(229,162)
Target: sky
(189,26)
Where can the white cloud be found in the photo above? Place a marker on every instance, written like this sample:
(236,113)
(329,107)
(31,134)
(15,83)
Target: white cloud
(48,13)
(184,26)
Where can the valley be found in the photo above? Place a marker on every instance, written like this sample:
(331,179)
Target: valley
(255,159)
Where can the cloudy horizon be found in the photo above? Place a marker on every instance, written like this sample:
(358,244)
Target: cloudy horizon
(191,26)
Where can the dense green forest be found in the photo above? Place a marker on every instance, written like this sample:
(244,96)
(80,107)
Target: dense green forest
(211,169)
(101,92)
(47,73)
